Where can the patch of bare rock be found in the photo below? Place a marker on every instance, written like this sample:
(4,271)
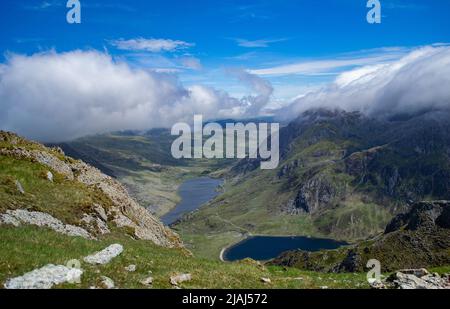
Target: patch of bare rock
(105,256)
(45,277)
(411,279)
(178,279)
(18,217)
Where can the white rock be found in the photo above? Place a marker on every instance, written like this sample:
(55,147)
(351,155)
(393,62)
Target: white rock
(9,220)
(417,279)
(131,268)
(50,176)
(266,280)
(45,277)
(175,280)
(45,220)
(104,256)
(147,281)
(19,187)
(107,283)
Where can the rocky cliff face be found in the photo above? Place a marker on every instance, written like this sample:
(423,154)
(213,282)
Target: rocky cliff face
(120,210)
(417,239)
(426,216)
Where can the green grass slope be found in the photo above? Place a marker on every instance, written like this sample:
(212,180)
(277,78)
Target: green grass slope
(26,248)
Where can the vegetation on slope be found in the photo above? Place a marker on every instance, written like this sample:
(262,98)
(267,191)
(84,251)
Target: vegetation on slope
(417,239)
(341,175)
(26,248)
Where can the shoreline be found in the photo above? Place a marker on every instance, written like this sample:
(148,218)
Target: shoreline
(221,254)
(224,249)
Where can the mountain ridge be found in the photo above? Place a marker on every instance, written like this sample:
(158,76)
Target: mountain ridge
(119,208)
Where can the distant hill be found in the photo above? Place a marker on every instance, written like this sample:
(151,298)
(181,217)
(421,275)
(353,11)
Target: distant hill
(342,175)
(417,239)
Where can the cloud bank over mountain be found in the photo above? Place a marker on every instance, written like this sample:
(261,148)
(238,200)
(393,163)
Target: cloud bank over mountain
(416,83)
(58,96)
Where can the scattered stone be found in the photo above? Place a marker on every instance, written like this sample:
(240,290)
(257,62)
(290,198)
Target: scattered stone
(45,277)
(324,287)
(266,280)
(19,187)
(176,280)
(131,268)
(104,256)
(50,176)
(20,216)
(147,281)
(107,283)
(415,279)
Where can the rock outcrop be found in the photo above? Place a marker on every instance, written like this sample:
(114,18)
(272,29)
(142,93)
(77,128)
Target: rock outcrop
(313,194)
(45,277)
(124,212)
(413,279)
(105,256)
(424,215)
(18,217)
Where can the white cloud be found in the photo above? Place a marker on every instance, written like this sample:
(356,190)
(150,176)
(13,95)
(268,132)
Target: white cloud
(151,45)
(415,83)
(191,63)
(44,5)
(58,96)
(257,43)
(262,88)
(327,66)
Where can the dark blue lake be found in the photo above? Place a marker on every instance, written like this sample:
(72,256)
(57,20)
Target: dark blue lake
(194,193)
(266,247)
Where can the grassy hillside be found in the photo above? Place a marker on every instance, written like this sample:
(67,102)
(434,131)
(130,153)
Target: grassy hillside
(64,199)
(26,248)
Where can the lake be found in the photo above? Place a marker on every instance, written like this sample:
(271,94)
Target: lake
(267,247)
(194,193)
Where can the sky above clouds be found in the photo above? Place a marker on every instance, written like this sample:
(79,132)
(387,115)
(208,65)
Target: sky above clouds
(140,64)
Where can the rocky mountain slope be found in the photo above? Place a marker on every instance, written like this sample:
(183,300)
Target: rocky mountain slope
(64,224)
(142,162)
(341,175)
(419,238)
(42,186)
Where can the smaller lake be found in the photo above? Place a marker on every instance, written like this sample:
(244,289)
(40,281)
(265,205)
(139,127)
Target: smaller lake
(263,248)
(194,193)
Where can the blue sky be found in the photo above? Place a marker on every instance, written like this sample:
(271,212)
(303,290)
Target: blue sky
(292,44)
